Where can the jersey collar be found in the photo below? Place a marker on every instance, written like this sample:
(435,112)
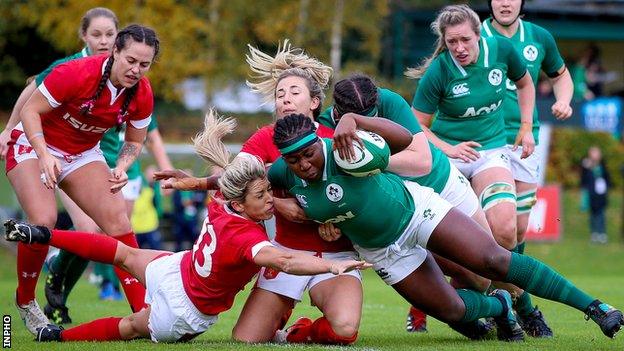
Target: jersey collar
(490,30)
(114,93)
(483,60)
(85,52)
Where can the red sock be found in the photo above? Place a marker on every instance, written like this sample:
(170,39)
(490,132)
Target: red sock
(134,290)
(420,318)
(98,330)
(29,262)
(319,332)
(95,247)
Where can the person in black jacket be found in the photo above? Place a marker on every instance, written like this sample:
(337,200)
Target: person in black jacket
(595,181)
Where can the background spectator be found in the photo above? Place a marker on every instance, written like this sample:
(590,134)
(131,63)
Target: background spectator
(595,181)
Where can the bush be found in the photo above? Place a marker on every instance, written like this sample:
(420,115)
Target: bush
(569,146)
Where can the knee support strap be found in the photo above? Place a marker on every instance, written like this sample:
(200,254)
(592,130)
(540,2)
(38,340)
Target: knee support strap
(525,201)
(497,193)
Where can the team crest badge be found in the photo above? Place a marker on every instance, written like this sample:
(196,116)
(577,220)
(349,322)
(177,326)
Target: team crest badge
(495,77)
(302,200)
(530,52)
(334,192)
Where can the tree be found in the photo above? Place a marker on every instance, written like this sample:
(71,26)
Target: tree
(208,39)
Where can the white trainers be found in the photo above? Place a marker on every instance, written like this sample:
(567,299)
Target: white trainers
(33,316)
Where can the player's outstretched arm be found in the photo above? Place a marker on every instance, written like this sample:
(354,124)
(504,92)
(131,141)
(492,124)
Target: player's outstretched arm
(298,263)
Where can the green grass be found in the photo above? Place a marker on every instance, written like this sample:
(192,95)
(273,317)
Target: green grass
(597,269)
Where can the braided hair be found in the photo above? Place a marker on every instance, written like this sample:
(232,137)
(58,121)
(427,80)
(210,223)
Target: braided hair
(291,127)
(139,34)
(357,94)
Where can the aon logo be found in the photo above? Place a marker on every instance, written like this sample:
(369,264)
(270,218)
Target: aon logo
(341,218)
(471,112)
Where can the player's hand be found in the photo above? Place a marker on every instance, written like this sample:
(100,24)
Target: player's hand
(5,137)
(525,138)
(561,110)
(290,209)
(175,179)
(50,168)
(344,135)
(340,267)
(170,173)
(464,151)
(329,232)
(119,178)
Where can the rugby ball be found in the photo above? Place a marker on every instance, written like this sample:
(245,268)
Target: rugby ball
(369,160)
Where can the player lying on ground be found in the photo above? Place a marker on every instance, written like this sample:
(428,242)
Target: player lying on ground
(187,290)
(415,218)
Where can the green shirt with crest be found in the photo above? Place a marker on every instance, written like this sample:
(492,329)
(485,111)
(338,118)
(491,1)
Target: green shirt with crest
(371,211)
(538,50)
(468,100)
(392,106)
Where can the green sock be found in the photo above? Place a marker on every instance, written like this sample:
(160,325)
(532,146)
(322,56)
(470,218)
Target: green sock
(539,279)
(519,248)
(479,305)
(61,262)
(524,305)
(108,274)
(73,273)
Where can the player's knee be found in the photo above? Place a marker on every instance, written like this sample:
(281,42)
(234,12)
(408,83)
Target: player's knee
(131,327)
(344,327)
(505,233)
(496,261)
(452,312)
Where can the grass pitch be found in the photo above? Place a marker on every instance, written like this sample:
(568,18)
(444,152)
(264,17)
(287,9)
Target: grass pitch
(598,269)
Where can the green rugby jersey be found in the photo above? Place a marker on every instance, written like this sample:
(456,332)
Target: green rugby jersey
(467,100)
(538,50)
(392,106)
(41,76)
(371,211)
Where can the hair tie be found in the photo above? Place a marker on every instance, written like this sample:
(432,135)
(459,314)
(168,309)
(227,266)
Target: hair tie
(87,106)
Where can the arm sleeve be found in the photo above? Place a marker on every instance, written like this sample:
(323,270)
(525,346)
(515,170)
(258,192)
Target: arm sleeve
(516,69)
(249,240)
(325,118)
(59,86)
(142,106)
(41,76)
(396,109)
(254,145)
(552,58)
(153,124)
(430,90)
(278,174)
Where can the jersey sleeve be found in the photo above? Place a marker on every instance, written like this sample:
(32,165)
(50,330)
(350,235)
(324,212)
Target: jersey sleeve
(41,76)
(142,105)
(396,109)
(516,68)
(255,144)
(278,174)
(325,118)
(552,58)
(250,240)
(430,89)
(153,124)
(61,84)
